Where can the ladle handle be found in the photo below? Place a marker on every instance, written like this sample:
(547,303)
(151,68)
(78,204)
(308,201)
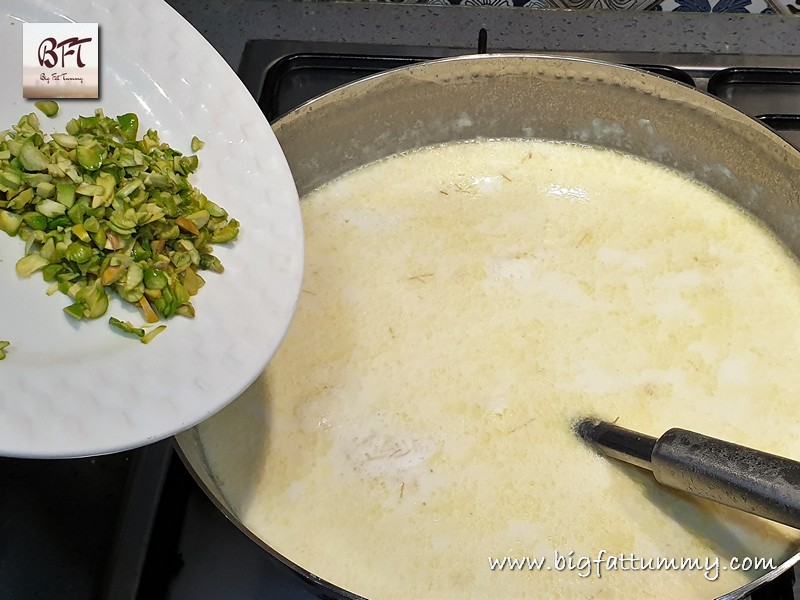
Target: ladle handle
(753,481)
(750,480)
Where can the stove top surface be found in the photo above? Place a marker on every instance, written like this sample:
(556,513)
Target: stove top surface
(135,525)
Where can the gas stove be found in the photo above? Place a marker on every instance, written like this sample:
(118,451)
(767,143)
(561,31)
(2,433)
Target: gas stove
(283,74)
(135,525)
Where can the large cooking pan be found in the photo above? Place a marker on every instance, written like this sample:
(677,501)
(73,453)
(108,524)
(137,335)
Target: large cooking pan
(525,96)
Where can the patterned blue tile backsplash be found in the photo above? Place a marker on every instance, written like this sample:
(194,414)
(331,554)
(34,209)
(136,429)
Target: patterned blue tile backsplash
(695,6)
(716,6)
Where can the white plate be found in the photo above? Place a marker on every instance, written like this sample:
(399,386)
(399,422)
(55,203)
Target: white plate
(69,389)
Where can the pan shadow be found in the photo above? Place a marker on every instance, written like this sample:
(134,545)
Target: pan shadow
(232,447)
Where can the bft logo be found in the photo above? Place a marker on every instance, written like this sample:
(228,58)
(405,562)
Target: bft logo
(48,57)
(60,60)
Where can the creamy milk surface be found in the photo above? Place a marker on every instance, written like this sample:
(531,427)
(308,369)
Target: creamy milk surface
(461,306)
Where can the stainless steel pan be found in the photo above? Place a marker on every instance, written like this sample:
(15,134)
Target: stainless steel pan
(526,96)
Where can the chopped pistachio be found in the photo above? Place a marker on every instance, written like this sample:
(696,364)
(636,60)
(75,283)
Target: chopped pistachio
(185,310)
(10,179)
(3,345)
(89,157)
(100,209)
(10,222)
(32,159)
(29,123)
(51,208)
(74,310)
(35,220)
(30,264)
(48,107)
(148,337)
(45,189)
(93,299)
(89,189)
(209,262)
(128,126)
(126,327)
(155,279)
(78,252)
(65,140)
(149,314)
(65,194)
(20,200)
(227,233)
